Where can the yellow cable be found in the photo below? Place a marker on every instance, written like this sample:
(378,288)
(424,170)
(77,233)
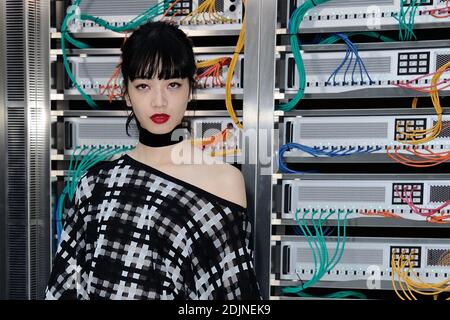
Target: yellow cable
(414,102)
(401,267)
(436,129)
(415,286)
(234,60)
(393,268)
(207,7)
(208,63)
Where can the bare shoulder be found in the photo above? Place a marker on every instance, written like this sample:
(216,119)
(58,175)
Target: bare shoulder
(228,182)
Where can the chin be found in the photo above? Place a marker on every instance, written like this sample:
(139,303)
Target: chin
(160,128)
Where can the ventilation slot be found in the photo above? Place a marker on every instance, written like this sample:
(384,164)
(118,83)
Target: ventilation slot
(445,132)
(219,4)
(343,130)
(439,194)
(438,257)
(349,256)
(17,255)
(99,131)
(15,48)
(342,194)
(442,59)
(327,66)
(352,3)
(210,129)
(95,70)
(116,7)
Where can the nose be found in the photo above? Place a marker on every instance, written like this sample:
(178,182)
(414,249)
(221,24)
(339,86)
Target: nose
(159,98)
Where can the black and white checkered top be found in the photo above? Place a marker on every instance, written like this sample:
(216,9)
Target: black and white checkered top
(134,232)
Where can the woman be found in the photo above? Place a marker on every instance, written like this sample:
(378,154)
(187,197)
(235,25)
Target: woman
(144,226)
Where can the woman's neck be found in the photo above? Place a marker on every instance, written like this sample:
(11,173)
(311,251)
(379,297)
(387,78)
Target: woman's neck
(157,156)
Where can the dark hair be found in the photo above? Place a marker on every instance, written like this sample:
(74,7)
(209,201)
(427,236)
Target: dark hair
(157,49)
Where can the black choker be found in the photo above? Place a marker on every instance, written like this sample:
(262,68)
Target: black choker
(161,140)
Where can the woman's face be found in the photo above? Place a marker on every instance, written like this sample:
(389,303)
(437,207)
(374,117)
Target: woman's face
(159,105)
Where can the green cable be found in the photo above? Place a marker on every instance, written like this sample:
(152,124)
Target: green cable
(86,97)
(92,157)
(323,245)
(97,156)
(60,208)
(325,263)
(406,28)
(337,295)
(333,264)
(69,174)
(73,178)
(318,245)
(308,237)
(294,24)
(299,288)
(323,239)
(147,15)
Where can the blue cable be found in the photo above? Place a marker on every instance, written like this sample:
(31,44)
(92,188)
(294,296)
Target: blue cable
(336,71)
(350,51)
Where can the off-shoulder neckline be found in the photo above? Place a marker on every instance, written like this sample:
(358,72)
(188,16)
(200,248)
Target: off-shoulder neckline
(182,182)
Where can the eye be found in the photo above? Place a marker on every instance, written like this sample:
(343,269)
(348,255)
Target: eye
(141,86)
(174,85)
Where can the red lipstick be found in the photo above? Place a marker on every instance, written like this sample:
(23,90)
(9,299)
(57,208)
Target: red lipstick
(160,118)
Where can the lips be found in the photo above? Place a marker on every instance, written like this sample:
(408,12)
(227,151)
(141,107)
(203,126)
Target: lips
(160,118)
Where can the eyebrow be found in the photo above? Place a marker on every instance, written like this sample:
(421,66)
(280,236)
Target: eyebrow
(145,79)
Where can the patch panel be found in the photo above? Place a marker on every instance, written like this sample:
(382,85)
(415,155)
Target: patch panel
(413,190)
(118,13)
(412,254)
(413,63)
(377,132)
(93,74)
(97,131)
(367,259)
(326,73)
(216,84)
(349,199)
(220,137)
(408,125)
(337,15)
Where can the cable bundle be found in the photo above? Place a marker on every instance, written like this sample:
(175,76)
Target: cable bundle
(211,70)
(418,136)
(294,24)
(320,151)
(432,214)
(438,12)
(409,281)
(428,158)
(323,263)
(406,18)
(82,159)
(204,14)
(351,52)
(218,143)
